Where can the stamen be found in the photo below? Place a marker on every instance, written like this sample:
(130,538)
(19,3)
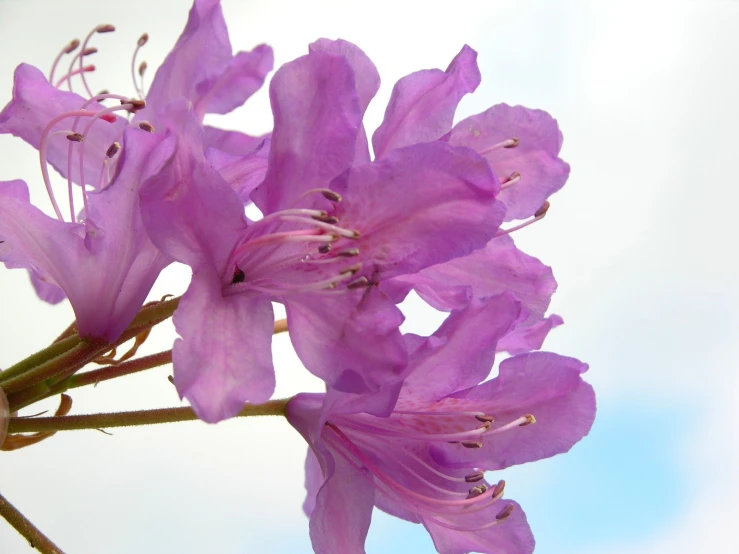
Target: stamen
(472,444)
(540,213)
(499,488)
(523,421)
(113,149)
(474,477)
(72,137)
(328,194)
(106,28)
(68,49)
(505,512)
(512,179)
(485,418)
(348,233)
(510,143)
(133,105)
(324,249)
(146,126)
(360,283)
(143,39)
(72,73)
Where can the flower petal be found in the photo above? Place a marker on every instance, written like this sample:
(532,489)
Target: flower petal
(317,118)
(461,352)
(242,172)
(224,358)
(231,142)
(494,269)
(36,102)
(422,105)
(531,337)
(420,206)
(366,77)
(351,341)
(511,536)
(536,157)
(545,385)
(48,292)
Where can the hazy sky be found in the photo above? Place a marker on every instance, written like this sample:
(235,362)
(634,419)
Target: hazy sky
(641,241)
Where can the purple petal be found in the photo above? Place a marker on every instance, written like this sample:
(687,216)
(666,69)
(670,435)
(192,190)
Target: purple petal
(492,270)
(422,105)
(48,292)
(36,102)
(420,206)
(190,212)
(343,509)
(512,536)
(539,140)
(242,77)
(231,142)
(461,352)
(545,385)
(242,173)
(527,338)
(201,68)
(317,118)
(224,358)
(313,481)
(350,341)
(367,81)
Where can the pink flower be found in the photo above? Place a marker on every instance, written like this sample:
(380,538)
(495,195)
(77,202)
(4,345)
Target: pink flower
(423,459)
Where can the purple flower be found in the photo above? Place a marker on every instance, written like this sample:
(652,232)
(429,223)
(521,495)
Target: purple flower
(104,264)
(334,226)
(423,459)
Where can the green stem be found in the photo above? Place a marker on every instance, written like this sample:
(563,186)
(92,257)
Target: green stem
(40,357)
(155,313)
(112,371)
(129,419)
(36,539)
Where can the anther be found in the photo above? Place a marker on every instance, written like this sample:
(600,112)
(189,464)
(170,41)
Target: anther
(102,92)
(485,426)
(238,276)
(135,104)
(89,51)
(499,488)
(72,46)
(143,39)
(512,143)
(358,283)
(331,195)
(75,137)
(474,492)
(324,248)
(113,149)
(472,444)
(541,212)
(474,477)
(107,28)
(352,270)
(146,126)
(142,68)
(326,219)
(348,253)
(505,512)
(530,419)
(484,418)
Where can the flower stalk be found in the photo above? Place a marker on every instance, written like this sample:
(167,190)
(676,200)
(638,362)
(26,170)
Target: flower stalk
(36,539)
(131,419)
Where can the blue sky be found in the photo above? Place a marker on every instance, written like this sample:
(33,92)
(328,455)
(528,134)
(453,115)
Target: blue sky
(641,241)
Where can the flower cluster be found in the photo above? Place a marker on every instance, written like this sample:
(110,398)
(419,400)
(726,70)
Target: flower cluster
(408,424)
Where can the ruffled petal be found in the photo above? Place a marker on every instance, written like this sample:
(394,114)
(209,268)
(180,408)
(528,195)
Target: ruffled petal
(422,104)
(526,338)
(231,142)
(545,385)
(350,341)
(190,212)
(367,81)
(492,270)
(420,206)
(511,536)
(224,358)
(317,118)
(242,173)
(36,102)
(542,172)
(461,352)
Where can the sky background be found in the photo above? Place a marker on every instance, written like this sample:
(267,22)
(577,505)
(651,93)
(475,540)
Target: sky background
(641,239)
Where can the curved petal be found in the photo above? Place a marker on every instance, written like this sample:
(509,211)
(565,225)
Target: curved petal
(535,158)
(527,338)
(317,118)
(422,104)
(189,211)
(350,341)
(461,352)
(343,510)
(313,481)
(545,385)
(224,358)
(494,269)
(231,142)
(511,536)
(244,172)
(242,77)
(36,102)
(48,292)
(367,81)
(420,206)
